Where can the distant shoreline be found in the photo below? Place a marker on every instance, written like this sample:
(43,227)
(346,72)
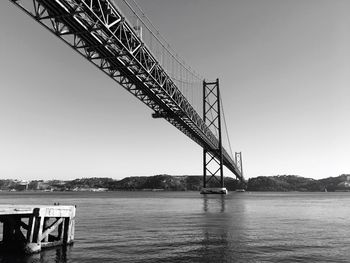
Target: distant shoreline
(279,183)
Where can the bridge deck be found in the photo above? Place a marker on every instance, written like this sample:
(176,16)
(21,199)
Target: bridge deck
(98,31)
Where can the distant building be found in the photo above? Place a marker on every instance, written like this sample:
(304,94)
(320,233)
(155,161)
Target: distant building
(43,185)
(21,185)
(346,183)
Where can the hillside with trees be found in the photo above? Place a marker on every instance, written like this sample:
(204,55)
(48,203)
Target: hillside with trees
(284,183)
(166,182)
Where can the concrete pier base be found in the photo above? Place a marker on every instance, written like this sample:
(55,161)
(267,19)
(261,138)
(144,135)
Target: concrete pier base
(28,229)
(217,190)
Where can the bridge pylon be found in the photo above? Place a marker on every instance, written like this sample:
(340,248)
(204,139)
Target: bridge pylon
(239,162)
(213,173)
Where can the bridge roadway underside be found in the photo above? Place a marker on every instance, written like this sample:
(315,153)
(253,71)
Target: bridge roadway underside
(98,31)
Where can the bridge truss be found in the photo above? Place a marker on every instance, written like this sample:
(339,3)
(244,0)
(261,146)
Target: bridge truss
(98,31)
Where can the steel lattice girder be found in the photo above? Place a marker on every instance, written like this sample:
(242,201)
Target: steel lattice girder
(99,32)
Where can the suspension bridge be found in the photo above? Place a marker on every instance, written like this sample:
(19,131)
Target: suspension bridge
(120,40)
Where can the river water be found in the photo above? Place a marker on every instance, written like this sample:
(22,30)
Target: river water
(188,227)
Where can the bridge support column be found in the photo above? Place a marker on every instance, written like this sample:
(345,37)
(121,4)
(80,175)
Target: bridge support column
(213,174)
(239,163)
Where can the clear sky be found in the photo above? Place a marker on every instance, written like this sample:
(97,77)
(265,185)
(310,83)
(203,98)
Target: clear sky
(284,72)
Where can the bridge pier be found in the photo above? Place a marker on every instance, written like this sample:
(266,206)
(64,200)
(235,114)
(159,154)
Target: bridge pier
(213,158)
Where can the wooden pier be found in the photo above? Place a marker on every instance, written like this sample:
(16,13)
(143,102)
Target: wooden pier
(28,229)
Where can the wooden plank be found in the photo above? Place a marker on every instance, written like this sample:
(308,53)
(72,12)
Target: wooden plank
(15,210)
(36,230)
(7,230)
(66,230)
(24,225)
(45,238)
(30,232)
(57,211)
(70,235)
(51,244)
(51,228)
(40,230)
(19,236)
(45,211)
(60,230)
(72,231)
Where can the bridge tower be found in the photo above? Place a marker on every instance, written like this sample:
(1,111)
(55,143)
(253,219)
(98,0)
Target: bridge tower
(239,162)
(213,174)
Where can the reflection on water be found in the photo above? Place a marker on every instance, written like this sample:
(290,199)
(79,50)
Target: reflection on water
(222,222)
(214,231)
(219,201)
(151,227)
(51,255)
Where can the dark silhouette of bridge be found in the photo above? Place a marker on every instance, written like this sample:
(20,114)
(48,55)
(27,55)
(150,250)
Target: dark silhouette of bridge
(121,41)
